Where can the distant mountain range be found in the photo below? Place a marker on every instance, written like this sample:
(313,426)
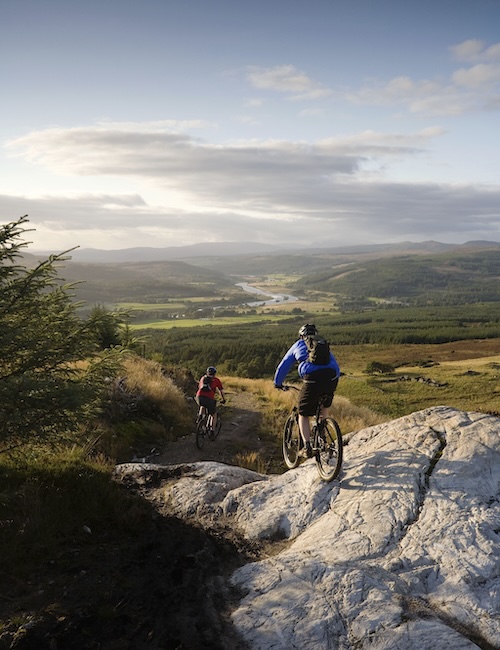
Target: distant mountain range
(235,249)
(145,254)
(409,272)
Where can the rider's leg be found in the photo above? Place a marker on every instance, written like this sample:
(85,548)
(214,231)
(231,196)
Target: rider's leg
(305,427)
(305,430)
(212,415)
(202,413)
(324,412)
(307,405)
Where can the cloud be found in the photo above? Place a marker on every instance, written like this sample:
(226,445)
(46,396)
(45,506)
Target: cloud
(270,191)
(469,89)
(478,76)
(474,50)
(385,145)
(177,159)
(256,177)
(288,80)
(343,212)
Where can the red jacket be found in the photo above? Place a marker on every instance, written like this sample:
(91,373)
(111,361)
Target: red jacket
(215,383)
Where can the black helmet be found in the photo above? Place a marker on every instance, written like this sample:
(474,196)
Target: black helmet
(308,330)
(211,370)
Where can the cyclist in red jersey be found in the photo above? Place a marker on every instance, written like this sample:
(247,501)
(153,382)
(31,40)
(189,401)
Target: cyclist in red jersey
(208,386)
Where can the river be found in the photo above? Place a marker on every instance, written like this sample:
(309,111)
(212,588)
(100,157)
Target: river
(274,298)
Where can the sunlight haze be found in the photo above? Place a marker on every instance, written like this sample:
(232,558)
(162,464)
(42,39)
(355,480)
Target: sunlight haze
(166,123)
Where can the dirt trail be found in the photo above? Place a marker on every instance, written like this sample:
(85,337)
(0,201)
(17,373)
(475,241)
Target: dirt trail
(239,434)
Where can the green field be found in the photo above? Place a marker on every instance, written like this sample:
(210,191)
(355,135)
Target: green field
(170,305)
(172,323)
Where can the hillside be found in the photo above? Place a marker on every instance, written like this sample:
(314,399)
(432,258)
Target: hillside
(444,278)
(148,282)
(423,273)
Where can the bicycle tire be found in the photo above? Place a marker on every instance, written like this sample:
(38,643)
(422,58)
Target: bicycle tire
(218,426)
(291,441)
(201,431)
(328,450)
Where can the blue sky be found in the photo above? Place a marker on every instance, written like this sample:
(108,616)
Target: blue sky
(165,123)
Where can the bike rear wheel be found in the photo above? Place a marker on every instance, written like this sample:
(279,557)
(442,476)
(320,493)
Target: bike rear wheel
(201,430)
(291,442)
(328,449)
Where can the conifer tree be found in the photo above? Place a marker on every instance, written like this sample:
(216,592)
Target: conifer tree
(52,376)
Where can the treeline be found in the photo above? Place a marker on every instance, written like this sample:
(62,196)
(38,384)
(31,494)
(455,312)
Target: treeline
(444,279)
(253,350)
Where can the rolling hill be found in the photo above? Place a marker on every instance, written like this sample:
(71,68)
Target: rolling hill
(416,273)
(445,278)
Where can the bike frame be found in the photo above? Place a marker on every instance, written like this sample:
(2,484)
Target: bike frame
(205,425)
(326,442)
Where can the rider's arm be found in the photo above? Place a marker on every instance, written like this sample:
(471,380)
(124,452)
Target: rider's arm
(218,386)
(285,365)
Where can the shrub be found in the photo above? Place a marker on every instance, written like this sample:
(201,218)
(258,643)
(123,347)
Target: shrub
(144,407)
(378,368)
(45,391)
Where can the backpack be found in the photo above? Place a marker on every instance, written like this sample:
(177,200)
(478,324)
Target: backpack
(319,350)
(206,386)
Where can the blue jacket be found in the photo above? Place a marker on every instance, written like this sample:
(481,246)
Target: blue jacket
(298,354)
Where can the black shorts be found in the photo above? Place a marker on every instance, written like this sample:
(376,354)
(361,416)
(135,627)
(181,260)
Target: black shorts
(319,386)
(209,403)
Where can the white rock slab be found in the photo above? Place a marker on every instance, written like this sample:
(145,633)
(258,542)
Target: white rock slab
(407,556)
(401,553)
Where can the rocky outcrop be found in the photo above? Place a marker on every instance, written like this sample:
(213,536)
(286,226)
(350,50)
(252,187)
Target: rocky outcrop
(402,552)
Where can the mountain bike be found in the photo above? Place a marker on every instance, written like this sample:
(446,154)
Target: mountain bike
(326,442)
(203,429)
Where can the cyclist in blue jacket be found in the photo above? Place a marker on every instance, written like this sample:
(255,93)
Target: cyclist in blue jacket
(318,381)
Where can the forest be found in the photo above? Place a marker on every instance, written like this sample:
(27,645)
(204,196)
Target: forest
(446,278)
(253,349)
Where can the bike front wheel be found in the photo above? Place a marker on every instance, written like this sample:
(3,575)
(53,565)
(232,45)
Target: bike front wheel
(201,431)
(291,442)
(218,426)
(328,449)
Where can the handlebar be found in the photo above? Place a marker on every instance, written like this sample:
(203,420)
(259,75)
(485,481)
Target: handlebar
(285,387)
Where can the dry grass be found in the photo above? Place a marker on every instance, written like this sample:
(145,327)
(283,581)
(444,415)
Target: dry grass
(145,408)
(252,460)
(148,379)
(275,406)
(352,417)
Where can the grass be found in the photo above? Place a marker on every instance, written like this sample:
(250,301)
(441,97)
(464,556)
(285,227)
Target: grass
(275,406)
(203,322)
(174,304)
(57,498)
(252,460)
(146,407)
(50,499)
(466,376)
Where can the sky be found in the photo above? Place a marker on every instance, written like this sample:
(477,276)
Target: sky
(172,122)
